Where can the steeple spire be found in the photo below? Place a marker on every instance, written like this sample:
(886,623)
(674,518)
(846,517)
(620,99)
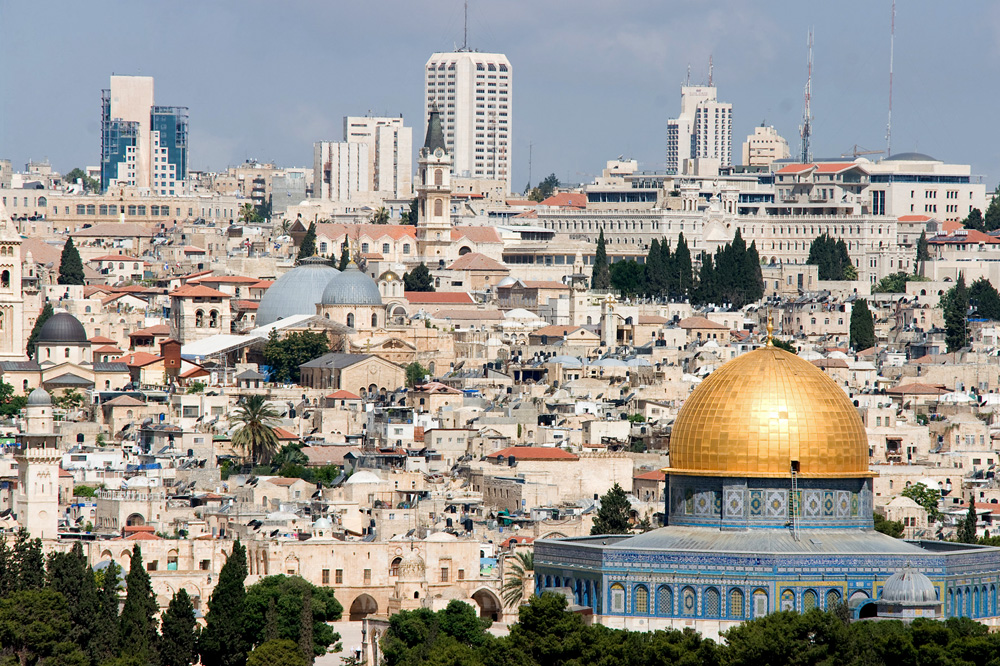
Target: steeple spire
(435,136)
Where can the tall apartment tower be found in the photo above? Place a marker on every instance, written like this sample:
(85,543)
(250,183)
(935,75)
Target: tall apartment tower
(703,130)
(374,161)
(474,93)
(142,145)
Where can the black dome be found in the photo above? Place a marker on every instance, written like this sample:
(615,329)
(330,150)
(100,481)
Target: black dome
(62,327)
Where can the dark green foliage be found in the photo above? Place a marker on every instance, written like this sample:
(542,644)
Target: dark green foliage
(832,258)
(70,575)
(600,277)
(286,354)
(967,530)
(545,189)
(104,641)
(223,641)
(923,249)
(410,216)
(731,276)
(656,276)
(345,258)
(991,221)
(89,184)
(862,326)
(43,317)
(424,637)
(895,283)
(892,528)
(682,271)
(35,628)
(613,516)
(287,593)
(271,621)
(784,344)
(28,562)
(956,308)
(984,299)
(138,635)
(308,246)
(974,220)
(70,266)
(179,633)
(419,279)
(277,653)
(306,627)
(628,278)
(415,374)
(10,404)
(925,497)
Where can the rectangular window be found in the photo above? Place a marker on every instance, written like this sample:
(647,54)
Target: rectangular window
(338,576)
(326,577)
(444,574)
(368,576)
(152,565)
(203,565)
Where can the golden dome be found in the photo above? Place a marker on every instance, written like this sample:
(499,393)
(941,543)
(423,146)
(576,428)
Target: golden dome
(760,412)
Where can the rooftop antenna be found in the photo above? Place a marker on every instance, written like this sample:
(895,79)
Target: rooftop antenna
(465,29)
(711,71)
(688,81)
(805,131)
(892,39)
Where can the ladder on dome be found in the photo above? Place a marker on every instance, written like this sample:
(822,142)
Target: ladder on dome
(793,501)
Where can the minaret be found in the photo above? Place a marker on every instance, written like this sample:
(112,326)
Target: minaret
(434,195)
(38,457)
(11,296)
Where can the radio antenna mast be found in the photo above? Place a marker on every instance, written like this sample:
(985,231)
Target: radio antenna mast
(892,40)
(805,131)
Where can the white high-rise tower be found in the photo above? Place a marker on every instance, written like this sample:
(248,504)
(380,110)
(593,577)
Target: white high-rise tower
(473,92)
(703,130)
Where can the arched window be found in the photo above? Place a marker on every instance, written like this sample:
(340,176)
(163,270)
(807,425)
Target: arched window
(213,319)
(759,602)
(832,598)
(617,598)
(374,319)
(710,603)
(199,318)
(350,319)
(641,606)
(810,600)
(736,603)
(394,566)
(438,207)
(664,601)
(5,279)
(66,352)
(688,601)
(787,600)
(438,177)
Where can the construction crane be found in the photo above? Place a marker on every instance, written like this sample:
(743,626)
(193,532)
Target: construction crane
(856,151)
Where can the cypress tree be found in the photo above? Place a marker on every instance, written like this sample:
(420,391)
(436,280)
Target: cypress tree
(306,627)
(601,276)
(28,562)
(8,571)
(991,220)
(967,530)
(923,251)
(683,272)
(862,326)
(985,299)
(974,220)
(223,642)
(107,627)
(138,636)
(954,315)
(654,270)
(666,269)
(345,257)
(69,574)
(178,642)
(707,291)
(308,246)
(43,317)
(753,275)
(70,266)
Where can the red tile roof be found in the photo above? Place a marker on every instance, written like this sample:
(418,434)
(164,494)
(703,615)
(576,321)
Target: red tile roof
(335,230)
(247,305)
(139,359)
(913,218)
(114,257)
(567,200)
(102,340)
(555,330)
(476,234)
(439,297)
(534,453)
(698,322)
(474,261)
(343,395)
(655,475)
(197,291)
(971,236)
(225,279)
(284,434)
(917,389)
(159,329)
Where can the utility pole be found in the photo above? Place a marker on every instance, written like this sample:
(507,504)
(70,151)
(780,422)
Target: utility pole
(805,131)
(892,40)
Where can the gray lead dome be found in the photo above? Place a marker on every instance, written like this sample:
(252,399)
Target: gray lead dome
(352,287)
(39,397)
(296,292)
(62,327)
(908,587)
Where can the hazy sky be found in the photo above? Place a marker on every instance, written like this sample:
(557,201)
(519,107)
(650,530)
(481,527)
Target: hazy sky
(593,79)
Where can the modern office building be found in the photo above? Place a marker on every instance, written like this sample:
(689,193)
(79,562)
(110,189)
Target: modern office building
(474,93)
(373,162)
(703,130)
(764,146)
(142,145)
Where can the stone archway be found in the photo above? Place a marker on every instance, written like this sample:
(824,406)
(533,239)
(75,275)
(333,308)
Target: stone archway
(363,606)
(489,604)
(135,520)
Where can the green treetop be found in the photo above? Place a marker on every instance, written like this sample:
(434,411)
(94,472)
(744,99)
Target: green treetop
(138,637)
(956,309)
(601,275)
(70,266)
(862,326)
(308,246)
(613,516)
(223,640)
(419,279)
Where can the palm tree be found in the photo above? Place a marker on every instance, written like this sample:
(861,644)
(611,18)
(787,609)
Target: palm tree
(380,216)
(256,437)
(521,572)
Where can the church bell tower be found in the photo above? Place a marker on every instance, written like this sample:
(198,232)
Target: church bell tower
(434,195)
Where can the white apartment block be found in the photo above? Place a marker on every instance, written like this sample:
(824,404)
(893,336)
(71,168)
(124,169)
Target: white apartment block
(918,184)
(340,171)
(764,146)
(703,130)
(390,152)
(473,92)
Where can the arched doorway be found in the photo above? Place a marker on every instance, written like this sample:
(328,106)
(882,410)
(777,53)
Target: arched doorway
(362,607)
(135,520)
(489,605)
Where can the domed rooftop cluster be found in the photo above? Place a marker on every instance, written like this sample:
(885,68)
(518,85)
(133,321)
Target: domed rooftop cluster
(352,287)
(763,411)
(314,281)
(296,292)
(62,328)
